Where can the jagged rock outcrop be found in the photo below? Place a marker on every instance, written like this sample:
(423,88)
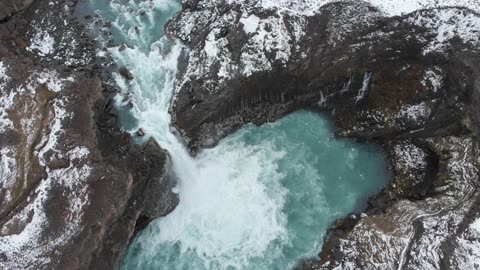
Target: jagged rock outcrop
(73,189)
(408,82)
(316,58)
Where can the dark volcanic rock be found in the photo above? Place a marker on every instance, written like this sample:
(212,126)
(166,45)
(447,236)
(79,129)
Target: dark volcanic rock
(140,132)
(341,47)
(125,73)
(10,7)
(410,83)
(73,189)
(150,197)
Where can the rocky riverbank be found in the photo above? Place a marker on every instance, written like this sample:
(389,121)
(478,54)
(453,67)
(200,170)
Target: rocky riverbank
(73,189)
(409,83)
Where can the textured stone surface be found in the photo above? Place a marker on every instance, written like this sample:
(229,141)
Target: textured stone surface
(10,7)
(73,189)
(409,83)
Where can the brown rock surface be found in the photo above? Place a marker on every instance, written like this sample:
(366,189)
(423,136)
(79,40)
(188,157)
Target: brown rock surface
(10,7)
(71,187)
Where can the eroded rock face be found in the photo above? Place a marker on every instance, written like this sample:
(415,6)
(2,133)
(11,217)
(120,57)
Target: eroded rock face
(290,61)
(410,83)
(425,233)
(73,189)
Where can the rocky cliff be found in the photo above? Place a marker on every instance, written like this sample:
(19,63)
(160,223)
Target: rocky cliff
(409,82)
(73,189)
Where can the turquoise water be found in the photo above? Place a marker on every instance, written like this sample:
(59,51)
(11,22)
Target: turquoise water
(291,180)
(264,197)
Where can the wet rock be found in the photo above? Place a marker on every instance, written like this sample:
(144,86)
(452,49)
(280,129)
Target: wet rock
(140,132)
(150,197)
(126,73)
(111,43)
(124,139)
(77,176)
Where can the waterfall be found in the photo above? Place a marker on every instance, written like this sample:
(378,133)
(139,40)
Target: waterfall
(263,198)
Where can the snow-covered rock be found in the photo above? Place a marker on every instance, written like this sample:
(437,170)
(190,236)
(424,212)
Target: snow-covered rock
(421,234)
(71,185)
(389,7)
(398,72)
(34,167)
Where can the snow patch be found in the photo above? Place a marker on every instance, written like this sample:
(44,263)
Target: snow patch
(79,153)
(4,78)
(389,7)
(8,165)
(447,24)
(42,43)
(74,179)
(210,45)
(8,170)
(432,79)
(476,225)
(3,72)
(12,244)
(415,112)
(6,99)
(467,253)
(250,24)
(410,156)
(51,80)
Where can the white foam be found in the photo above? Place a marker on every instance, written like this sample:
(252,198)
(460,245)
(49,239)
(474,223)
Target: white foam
(222,190)
(231,206)
(230,198)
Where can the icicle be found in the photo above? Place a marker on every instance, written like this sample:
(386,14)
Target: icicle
(363,91)
(323,100)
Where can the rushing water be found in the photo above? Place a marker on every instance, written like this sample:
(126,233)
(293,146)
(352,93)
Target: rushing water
(264,197)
